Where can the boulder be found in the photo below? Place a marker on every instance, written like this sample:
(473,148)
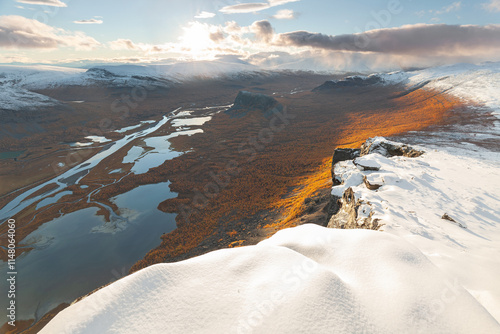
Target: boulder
(371,185)
(388,148)
(342,154)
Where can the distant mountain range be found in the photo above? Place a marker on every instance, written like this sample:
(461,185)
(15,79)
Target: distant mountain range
(20,83)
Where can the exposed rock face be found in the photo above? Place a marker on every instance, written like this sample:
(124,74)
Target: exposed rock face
(354,81)
(247,101)
(348,215)
(388,148)
(100,73)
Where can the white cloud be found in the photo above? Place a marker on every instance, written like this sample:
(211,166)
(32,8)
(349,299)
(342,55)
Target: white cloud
(127,44)
(123,44)
(245,8)
(285,14)
(253,7)
(492,6)
(18,32)
(90,21)
(54,3)
(274,3)
(204,15)
(451,8)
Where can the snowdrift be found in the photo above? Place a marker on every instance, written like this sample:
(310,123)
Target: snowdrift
(307,279)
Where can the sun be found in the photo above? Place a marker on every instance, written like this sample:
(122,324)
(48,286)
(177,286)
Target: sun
(196,38)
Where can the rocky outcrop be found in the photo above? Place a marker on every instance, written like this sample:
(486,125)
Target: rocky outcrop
(448,218)
(342,154)
(100,73)
(349,214)
(345,211)
(388,148)
(248,101)
(353,81)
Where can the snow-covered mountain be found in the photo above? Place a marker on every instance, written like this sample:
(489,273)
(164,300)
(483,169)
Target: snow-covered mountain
(18,83)
(477,82)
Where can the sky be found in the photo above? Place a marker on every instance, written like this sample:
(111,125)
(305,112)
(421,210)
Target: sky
(302,33)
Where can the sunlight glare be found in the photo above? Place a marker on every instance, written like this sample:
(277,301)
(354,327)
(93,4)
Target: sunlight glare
(196,38)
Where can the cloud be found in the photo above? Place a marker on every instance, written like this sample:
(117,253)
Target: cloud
(275,3)
(419,39)
(492,6)
(263,30)
(245,8)
(54,3)
(285,14)
(17,32)
(204,15)
(90,21)
(330,61)
(253,7)
(451,8)
(127,44)
(123,44)
(217,36)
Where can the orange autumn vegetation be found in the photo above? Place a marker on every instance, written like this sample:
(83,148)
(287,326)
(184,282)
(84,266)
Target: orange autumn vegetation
(288,170)
(419,110)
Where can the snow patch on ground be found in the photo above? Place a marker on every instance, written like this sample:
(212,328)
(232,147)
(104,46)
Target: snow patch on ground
(16,98)
(98,139)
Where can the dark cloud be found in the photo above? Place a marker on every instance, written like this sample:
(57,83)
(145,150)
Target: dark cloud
(421,39)
(262,30)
